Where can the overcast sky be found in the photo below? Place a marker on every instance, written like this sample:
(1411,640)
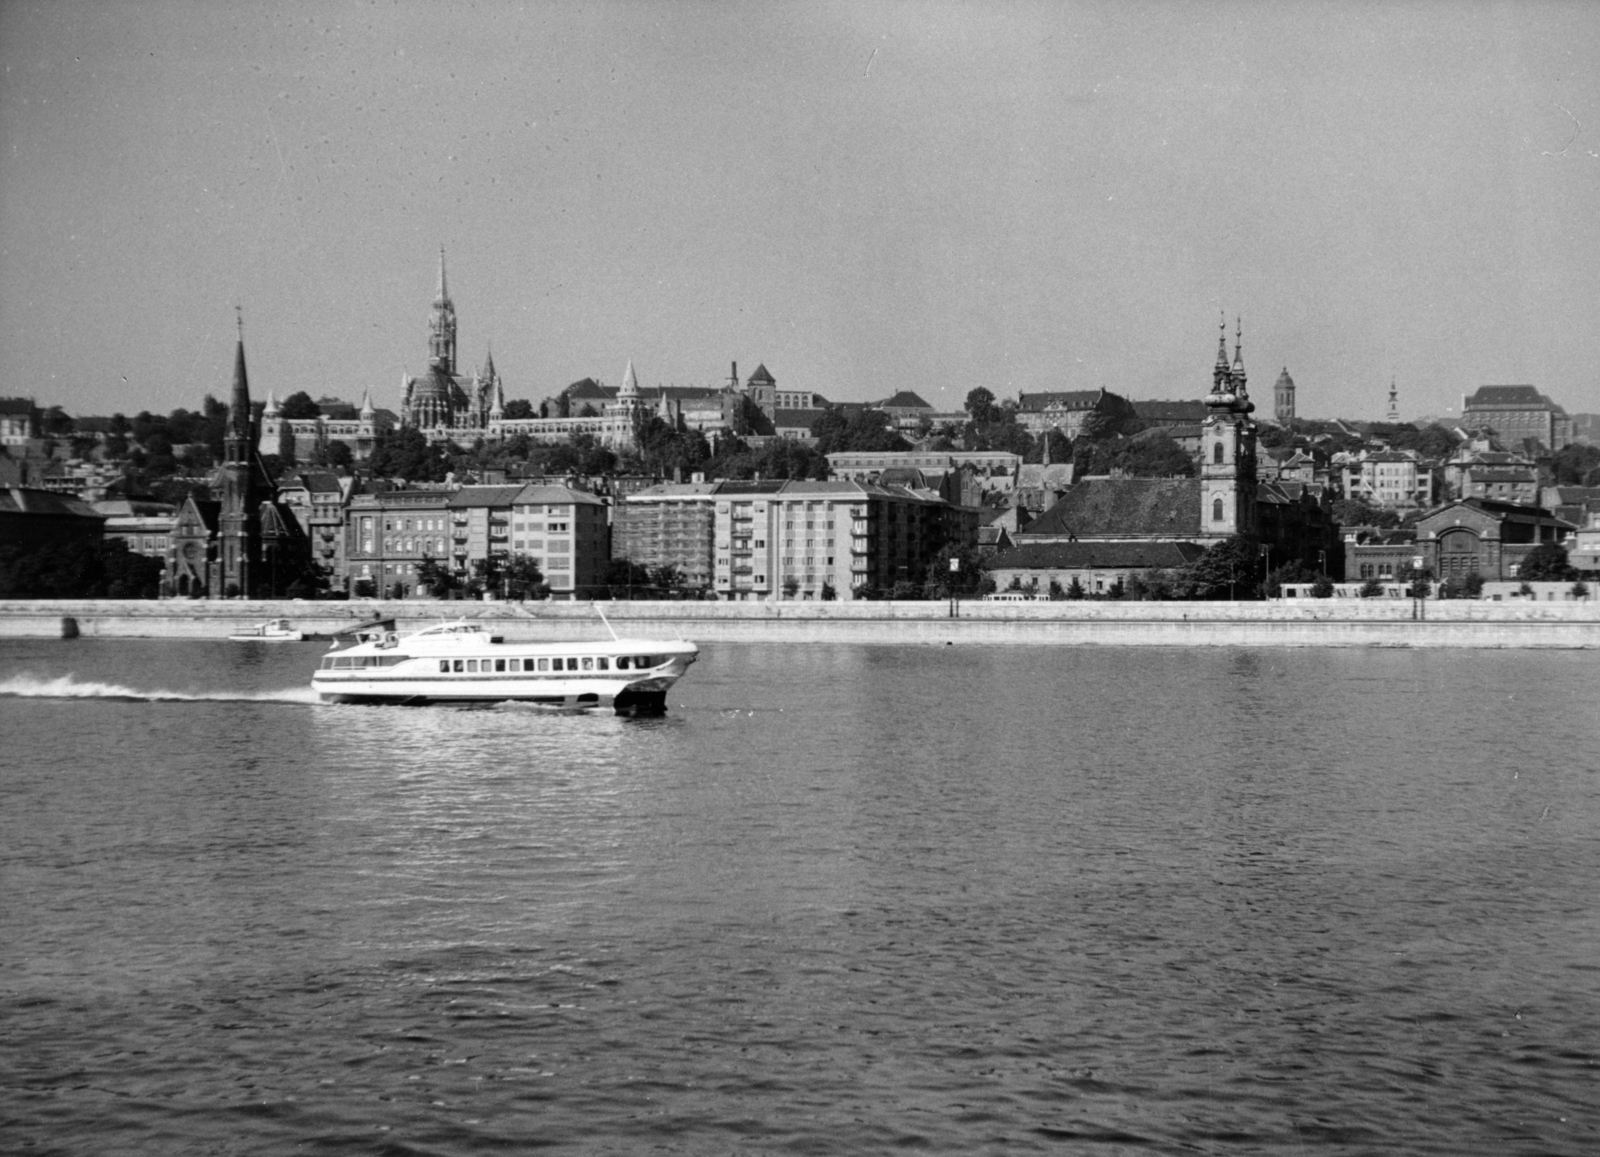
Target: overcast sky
(866,197)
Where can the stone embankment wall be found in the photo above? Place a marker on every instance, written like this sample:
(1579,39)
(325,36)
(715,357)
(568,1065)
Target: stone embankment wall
(1308,623)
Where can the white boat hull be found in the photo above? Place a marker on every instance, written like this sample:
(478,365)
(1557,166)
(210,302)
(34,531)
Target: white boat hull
(460,663)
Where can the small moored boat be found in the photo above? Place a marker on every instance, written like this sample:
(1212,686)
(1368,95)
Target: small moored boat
(271,631)
(463,662)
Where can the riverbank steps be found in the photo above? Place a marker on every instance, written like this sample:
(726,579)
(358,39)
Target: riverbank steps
(1301,623)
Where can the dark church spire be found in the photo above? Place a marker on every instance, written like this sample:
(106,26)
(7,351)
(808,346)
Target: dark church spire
(442,326)
(239,403)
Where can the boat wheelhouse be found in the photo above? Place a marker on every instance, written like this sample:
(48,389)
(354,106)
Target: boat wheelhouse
(464,662)
(271,631)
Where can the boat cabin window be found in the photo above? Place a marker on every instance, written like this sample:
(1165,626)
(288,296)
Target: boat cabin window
(444,665)
(603,663)
(472,665)
(459,666)
(544,664)
(588,664)
(622,662)
(499,664)
(572,664)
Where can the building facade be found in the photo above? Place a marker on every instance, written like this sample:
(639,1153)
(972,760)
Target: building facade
(1517,412)
(1485,537)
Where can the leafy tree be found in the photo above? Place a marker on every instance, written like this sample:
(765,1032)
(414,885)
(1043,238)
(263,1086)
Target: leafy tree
(626,579)
(861,430)
(980,406)
(523,580)
(791,587)
(1227,570)
(1371,589)
(1572,464)
(56,423)
(406,454)
(520,408)
(336,455)
(439,579)
(364,588)
(1580,590)
(1322,587)
(1355,512)
(971,580)
(1546,562)
(299,405)
(1075,588)
(1289,572)
(1420,580)
(829,594)
(77,569)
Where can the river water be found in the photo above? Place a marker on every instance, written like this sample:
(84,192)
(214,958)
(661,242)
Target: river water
(840,899)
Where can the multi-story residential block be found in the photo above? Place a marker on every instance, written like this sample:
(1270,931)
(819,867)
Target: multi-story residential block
(792,539)
(1393,480)
(567,532)
(317,499)
(480,526)
(1478,471)
(670,524)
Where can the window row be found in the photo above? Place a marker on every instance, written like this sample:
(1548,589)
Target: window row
(524,666)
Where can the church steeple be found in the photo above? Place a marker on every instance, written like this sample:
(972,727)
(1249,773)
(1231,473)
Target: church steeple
(1238,360)
(239,521)
(442,326)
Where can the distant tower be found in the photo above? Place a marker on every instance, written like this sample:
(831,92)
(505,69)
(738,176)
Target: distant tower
(442,326)
(239,521)
(1394,403)
(1228,442)
(1283,398)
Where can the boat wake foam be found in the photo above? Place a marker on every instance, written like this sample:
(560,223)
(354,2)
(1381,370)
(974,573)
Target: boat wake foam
(67,687)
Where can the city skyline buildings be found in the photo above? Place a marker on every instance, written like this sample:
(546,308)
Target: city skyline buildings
(868,199)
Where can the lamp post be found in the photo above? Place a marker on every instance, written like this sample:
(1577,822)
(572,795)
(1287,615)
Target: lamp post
(955,588)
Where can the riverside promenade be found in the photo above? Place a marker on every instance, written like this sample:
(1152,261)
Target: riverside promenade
(1300,623)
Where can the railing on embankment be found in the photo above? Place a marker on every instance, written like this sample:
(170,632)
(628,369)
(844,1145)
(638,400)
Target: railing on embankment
(1322,622)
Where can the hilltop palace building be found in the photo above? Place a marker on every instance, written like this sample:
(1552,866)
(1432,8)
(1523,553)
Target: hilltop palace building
(446,405)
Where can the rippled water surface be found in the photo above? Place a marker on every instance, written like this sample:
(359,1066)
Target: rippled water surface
(841,899)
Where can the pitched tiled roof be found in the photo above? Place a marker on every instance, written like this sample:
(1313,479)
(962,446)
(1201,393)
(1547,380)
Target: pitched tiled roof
(543,494)
(1064,399)
(1515,397)
(1103,506)
(905,400)
(761,375)
(22,500)
(795,419)
(1084,555)
(1171,411)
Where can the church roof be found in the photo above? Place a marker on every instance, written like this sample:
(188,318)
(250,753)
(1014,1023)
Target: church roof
(762,376)
(1088,555)
(1182,411)
(1154,507)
